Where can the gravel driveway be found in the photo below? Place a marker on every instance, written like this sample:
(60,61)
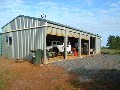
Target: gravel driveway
(105,67)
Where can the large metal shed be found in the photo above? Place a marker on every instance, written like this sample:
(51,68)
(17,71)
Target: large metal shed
(25,33)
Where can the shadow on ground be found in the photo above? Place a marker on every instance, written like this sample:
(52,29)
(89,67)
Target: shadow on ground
(96,79)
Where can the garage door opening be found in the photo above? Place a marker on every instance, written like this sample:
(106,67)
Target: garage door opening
(74,45)
(84,47)
(54,44)
(55,47)
(59,41)
(73,41)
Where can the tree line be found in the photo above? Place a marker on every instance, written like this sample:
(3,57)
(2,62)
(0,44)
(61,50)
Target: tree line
(113,42)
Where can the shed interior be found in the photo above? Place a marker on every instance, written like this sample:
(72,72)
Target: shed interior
(92,44)
(84,46)
(54,38)
(73,41)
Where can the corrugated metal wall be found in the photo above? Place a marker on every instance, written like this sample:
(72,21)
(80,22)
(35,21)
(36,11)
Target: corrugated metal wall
(27,35)
(0,44)
(23,41)
(21,23)
(98,45)
(27,40)
(6,49)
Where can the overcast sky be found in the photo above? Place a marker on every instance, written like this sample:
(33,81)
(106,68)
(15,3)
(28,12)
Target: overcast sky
(96,16)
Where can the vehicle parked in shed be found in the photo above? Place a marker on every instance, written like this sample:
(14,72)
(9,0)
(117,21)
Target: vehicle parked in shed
(58,47)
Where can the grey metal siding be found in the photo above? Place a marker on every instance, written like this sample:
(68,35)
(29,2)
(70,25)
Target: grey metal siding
(3,44)
(27,35)
(98,45)
(26,40)
(23,42)
(21,23)
(7,49)
(0,44)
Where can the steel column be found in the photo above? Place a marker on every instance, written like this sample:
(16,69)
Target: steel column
(89,46)
(44,46)
(95,46)
(65,44)
(100,45)
(79,43)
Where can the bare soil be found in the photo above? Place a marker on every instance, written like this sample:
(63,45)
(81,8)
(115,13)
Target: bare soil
(100,72)
(22,75)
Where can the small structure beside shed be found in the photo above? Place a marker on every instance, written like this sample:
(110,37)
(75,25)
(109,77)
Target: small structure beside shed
(25,33)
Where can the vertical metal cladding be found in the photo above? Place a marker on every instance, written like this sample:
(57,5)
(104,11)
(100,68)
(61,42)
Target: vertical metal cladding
(0,44)
(26,40)
(21,23)
(3,44)
(98,45)
(6,48)
(27,35)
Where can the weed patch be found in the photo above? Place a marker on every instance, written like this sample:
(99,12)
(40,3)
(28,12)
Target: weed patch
(5,76)
(110,51)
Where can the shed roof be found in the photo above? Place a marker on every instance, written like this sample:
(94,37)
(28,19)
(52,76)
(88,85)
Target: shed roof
(52,22)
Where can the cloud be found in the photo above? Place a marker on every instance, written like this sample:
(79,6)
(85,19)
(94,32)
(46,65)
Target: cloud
(115,4)
(89,2)
(86,2)
(103,21)
(10,8)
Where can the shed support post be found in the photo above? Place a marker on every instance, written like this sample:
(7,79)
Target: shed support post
(44,46)
(89,47)
(79,45)
(100,45)
(95,45)
(65,44)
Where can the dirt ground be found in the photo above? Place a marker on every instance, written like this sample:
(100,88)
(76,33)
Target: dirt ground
(22,75)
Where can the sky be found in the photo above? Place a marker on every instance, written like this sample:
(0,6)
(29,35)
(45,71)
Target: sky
(100,17)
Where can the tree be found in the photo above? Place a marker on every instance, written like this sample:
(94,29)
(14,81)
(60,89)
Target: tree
(113,42)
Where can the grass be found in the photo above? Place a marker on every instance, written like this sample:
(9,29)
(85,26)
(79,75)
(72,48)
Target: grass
(110,51)
(5,76)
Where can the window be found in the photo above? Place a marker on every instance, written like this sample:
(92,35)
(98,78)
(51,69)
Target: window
(54,43)
(59,43)
(9,40)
